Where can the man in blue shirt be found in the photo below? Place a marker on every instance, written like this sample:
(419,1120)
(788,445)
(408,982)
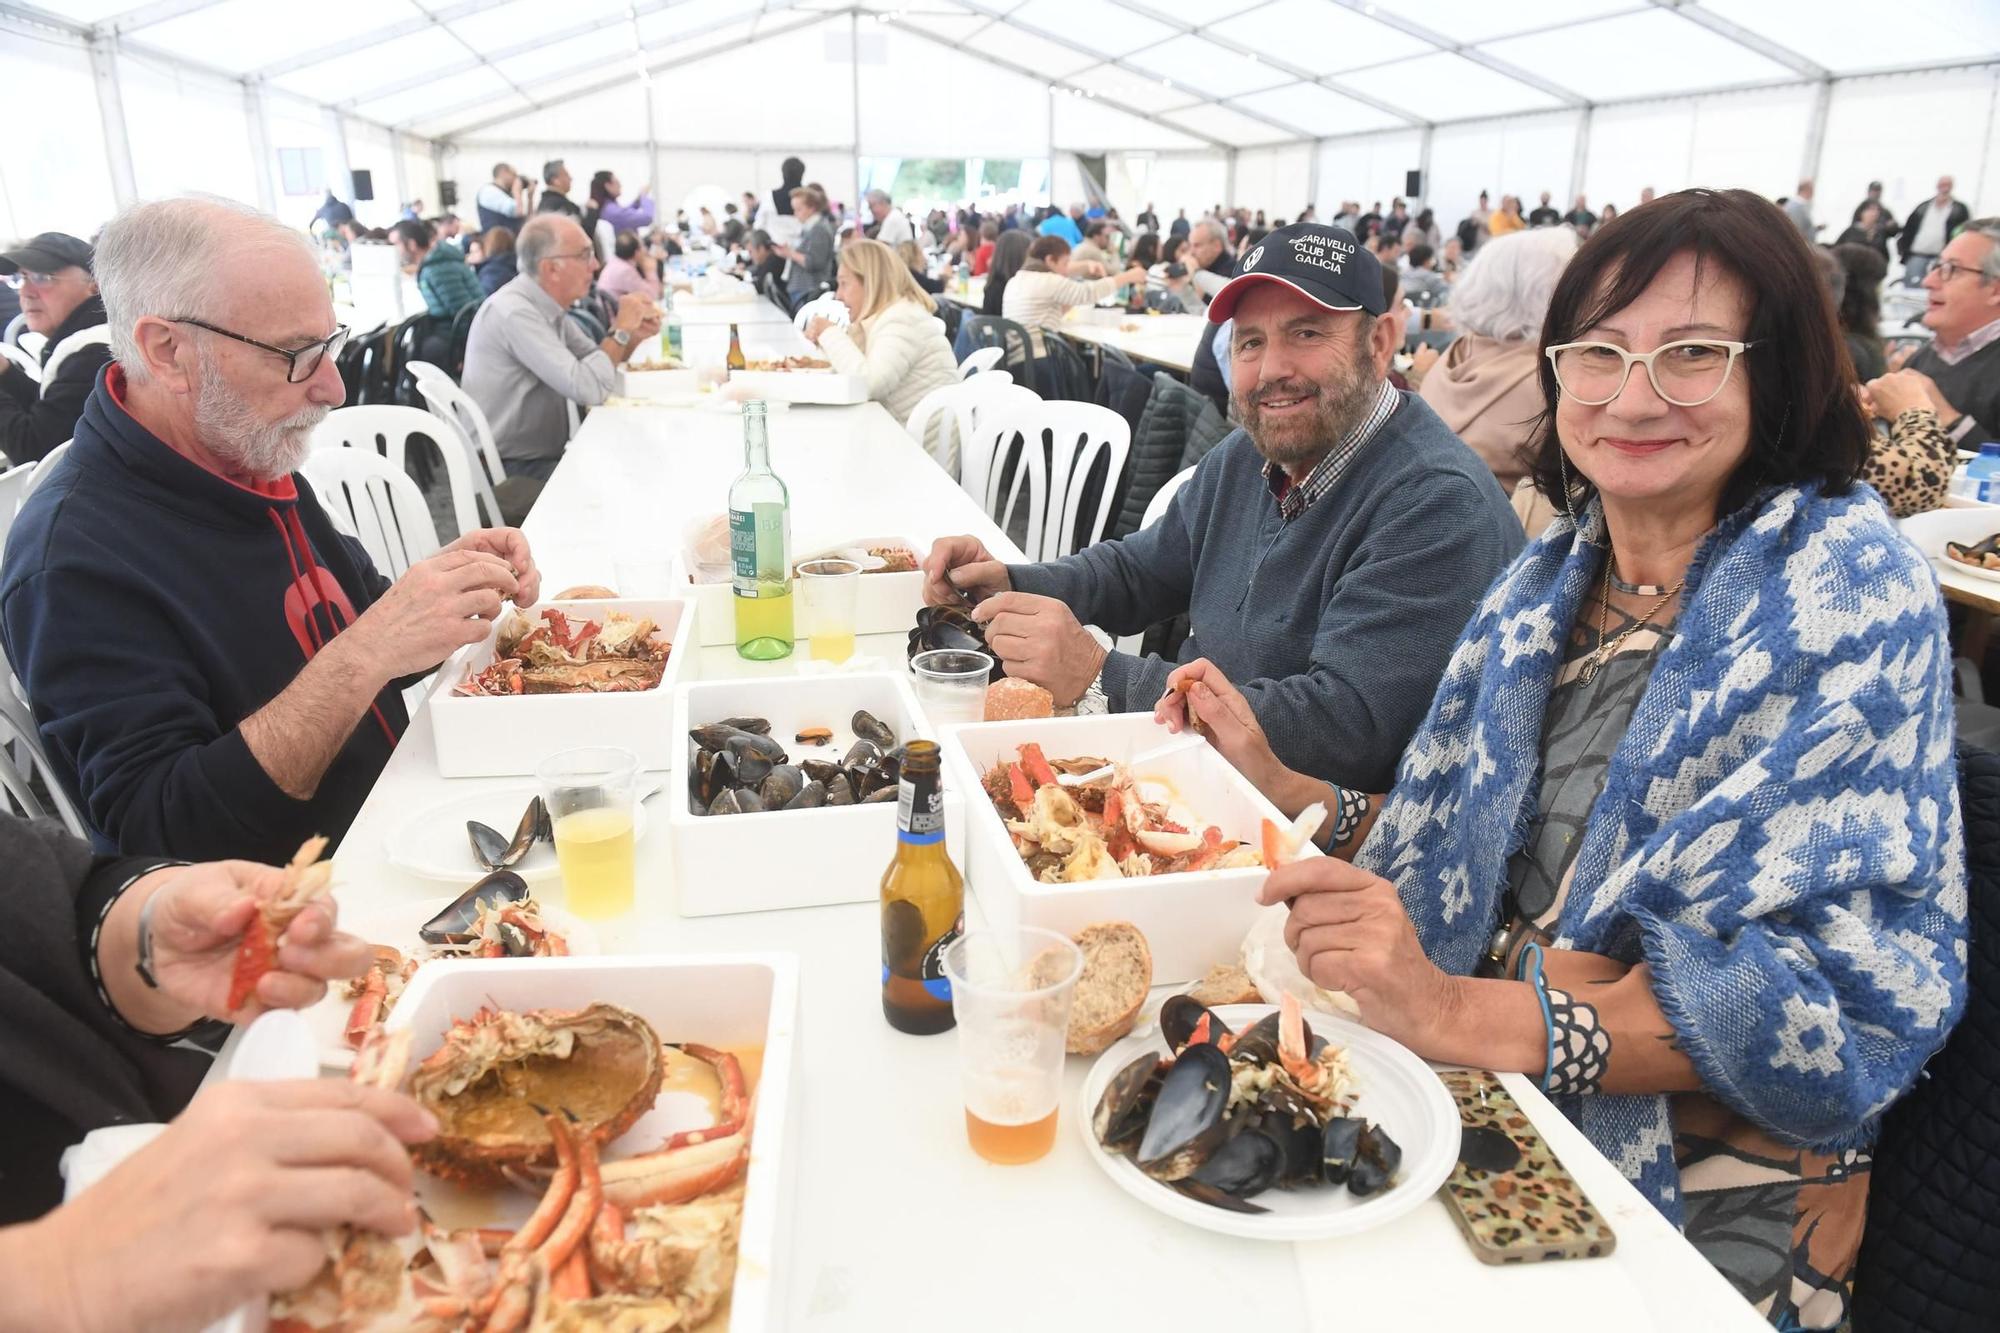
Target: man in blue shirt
(1069,227)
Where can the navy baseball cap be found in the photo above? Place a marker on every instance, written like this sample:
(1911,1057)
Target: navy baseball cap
(51,252)
(1323,263)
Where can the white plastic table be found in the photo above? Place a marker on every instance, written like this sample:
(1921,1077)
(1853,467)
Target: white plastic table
(897,1224)
(1164,340)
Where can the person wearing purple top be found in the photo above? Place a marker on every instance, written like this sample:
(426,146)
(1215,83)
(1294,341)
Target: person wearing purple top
(604,193)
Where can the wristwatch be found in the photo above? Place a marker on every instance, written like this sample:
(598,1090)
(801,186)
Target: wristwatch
(623,337)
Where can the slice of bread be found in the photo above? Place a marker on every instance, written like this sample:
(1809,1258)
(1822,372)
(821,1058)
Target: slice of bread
(1117,974)
(1226,984)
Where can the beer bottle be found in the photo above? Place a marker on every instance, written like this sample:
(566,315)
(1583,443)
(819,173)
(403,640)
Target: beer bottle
(737,361)
(923,902)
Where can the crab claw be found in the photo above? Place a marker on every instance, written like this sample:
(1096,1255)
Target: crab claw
(1020,788)
(1037,765)
(1281,843)
(677,1175)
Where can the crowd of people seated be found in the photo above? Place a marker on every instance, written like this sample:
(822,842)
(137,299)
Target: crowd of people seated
(1640,784)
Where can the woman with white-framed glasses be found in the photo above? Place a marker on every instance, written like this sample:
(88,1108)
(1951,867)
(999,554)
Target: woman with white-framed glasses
(1680,837)
(42,394)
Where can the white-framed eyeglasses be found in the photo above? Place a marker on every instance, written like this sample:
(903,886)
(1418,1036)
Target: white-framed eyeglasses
(22,278)
(1686,373)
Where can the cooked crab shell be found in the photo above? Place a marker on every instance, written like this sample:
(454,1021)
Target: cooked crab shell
(499,1072)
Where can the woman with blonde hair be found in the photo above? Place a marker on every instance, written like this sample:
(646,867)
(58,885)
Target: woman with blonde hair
(894,342)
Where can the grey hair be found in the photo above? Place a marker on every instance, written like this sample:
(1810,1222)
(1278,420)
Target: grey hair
(878,197)
(537,241)
(1989,267)
(1214,229)
(1505,291)
(161,259)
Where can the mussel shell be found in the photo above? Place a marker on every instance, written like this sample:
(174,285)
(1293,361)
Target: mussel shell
(864,780)
(950,627)
(819,770)
(840,791)
(891,767)
(489,844)
(1188,1114)
(1258,1043)
(1244,1165)
(1120,1117)
(1340,1146)
(1484,1148)
(866,726)
(752,769)
(862,754)
(716,735)
(1178,1016)
(515,941)
(760,726)
(736,801)
(881,796)
(1375,1162)
(784,782)
(1203,1192)
(741,743)
(810,797)
(455,922)
(1300,1144)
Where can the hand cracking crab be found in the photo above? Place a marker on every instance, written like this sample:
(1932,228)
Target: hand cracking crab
(642,1243)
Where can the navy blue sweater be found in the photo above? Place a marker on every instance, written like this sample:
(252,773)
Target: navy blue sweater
(1336,625)
(149,606)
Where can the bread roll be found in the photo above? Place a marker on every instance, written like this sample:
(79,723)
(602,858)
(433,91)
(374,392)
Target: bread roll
(1117,973)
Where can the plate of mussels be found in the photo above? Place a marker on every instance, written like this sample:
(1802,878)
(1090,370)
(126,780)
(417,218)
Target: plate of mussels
(1262,1121)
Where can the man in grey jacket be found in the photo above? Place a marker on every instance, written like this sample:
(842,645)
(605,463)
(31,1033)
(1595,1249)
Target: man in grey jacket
(525,359)
(1328,553)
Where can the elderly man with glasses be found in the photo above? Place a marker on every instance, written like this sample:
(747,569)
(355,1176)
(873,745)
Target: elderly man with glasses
(214,668)
(1956,375)
(59,301)
(526,360)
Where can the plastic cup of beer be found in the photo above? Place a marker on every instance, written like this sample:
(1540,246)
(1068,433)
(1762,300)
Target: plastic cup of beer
(827,590)
(588,793)
(951,684)
(1010,992)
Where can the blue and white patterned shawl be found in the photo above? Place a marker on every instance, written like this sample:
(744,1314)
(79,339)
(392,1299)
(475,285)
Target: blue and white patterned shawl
(1778,835)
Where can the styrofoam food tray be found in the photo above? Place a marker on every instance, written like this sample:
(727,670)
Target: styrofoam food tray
(1393,1088)
(792,858)
(731,1001)
(801,386)
(505,737)
(883,603)
(1191,921)
(657,382)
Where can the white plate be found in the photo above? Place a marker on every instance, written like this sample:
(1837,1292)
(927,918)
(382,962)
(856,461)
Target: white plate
(434,844)
(1970,571)
(1394,1089)
(397,924)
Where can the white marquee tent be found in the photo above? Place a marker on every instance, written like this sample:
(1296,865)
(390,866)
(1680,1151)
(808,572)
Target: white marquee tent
(1262,103)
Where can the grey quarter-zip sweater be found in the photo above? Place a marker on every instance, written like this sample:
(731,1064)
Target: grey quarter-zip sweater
(1337,624)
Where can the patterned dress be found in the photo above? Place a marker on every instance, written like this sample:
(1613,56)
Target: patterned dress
(1782,1223)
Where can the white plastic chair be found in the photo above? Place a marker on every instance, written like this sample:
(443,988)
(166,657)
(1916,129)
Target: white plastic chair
(39,473)
(955,403)
(455,406)
(980,359)
(1155,507)
(386,428)
(14,484)
(376,501)
(20,357)
(1078,433)
(18,744)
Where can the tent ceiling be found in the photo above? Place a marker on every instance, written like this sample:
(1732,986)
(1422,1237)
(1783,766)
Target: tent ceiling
(1230,71)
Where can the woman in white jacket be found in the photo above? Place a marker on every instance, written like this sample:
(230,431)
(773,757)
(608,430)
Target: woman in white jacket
(896,342)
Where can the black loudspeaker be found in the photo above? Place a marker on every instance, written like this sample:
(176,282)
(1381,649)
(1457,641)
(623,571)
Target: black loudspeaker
(364,186)
(1413,184)
(447,193)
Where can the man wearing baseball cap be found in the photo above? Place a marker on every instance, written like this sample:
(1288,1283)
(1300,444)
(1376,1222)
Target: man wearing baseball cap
(1327,554)
(59,301)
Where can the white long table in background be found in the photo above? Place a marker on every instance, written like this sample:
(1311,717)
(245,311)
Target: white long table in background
(1164,340)
(898,1225)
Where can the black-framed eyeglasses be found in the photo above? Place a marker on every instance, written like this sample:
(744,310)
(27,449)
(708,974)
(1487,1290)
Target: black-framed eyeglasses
(300,364)
(1947,269)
